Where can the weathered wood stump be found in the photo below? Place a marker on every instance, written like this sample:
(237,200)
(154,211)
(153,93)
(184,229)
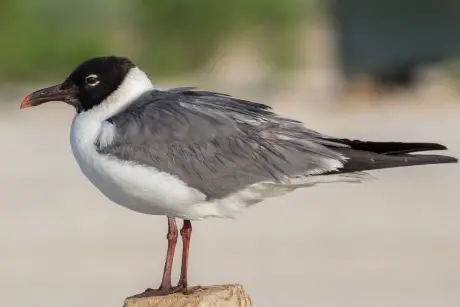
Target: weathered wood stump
(212,296)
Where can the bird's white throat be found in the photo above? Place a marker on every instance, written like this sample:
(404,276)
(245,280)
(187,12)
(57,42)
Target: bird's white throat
(134,85)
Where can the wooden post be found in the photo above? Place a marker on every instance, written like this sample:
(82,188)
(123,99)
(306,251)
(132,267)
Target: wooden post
(209,296)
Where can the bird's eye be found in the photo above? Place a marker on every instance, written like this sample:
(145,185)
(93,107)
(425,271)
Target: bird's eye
(92,80)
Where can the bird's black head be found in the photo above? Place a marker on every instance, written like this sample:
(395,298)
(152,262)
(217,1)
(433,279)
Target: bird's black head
(87,86)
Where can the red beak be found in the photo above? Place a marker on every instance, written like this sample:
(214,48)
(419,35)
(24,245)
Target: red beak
(25,102)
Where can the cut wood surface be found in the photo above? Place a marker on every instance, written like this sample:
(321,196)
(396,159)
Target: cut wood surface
(212,296)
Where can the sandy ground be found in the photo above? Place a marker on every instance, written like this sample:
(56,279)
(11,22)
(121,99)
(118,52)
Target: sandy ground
(394,241)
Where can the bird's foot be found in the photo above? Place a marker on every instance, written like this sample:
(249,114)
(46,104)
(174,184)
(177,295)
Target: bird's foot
(162,291)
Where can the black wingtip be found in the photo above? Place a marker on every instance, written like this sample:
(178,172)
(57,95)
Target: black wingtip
(435,146)
(391,148)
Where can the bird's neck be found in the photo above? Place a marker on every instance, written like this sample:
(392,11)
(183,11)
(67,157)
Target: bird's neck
(134,85)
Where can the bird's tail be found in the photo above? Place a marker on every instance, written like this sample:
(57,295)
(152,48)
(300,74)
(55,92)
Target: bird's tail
(364,156)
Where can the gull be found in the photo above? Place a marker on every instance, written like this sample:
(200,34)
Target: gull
(192,154)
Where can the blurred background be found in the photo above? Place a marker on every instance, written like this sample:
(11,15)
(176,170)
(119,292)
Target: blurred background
(376,70)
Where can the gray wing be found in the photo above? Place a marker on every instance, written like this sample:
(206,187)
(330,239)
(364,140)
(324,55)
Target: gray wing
(215,143)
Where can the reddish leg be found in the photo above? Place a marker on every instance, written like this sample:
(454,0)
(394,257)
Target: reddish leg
(166,285)
(172,240)
(186,233)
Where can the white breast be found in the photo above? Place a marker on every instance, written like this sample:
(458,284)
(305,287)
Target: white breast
(137,187)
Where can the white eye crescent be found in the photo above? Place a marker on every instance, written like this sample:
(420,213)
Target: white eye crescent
(92,80)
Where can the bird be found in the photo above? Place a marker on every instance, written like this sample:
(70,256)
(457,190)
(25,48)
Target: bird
(192,154)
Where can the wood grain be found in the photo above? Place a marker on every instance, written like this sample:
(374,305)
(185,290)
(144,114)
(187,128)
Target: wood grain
(209,296)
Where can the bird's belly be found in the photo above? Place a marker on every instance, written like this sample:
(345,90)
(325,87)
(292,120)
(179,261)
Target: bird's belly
(139,188)
(118,190)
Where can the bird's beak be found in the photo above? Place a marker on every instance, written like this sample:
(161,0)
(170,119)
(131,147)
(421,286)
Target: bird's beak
(52,93)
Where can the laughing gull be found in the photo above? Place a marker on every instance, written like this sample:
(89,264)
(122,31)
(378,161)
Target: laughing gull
(191,154)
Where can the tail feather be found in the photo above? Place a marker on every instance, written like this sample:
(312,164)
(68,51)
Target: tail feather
(364,156)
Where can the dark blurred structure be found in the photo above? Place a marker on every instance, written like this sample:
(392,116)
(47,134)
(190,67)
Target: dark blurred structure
(388,40)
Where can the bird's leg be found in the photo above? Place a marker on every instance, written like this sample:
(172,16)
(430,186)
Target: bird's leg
(172,240)
(166,285)
(186,234)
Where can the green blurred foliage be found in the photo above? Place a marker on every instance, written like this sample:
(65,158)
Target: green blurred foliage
(41,39)
(182,35)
